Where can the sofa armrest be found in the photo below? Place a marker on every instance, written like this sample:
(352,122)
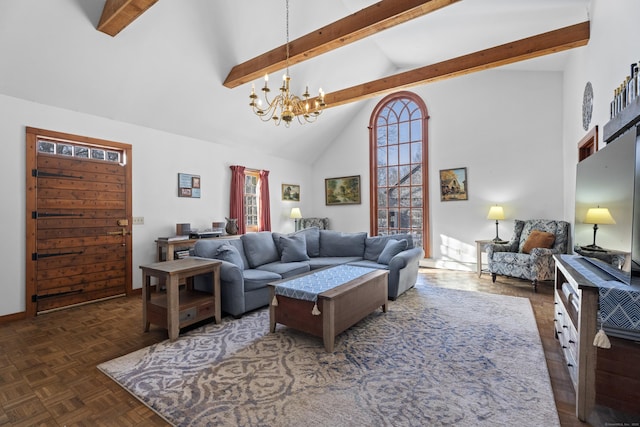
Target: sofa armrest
(229,272)
(404,258)
(403,271)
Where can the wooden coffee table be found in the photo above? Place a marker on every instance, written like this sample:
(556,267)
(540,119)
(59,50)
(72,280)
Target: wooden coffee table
(177,308)
(340,307)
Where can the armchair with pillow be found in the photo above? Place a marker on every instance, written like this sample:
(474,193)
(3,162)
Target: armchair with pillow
(529,253)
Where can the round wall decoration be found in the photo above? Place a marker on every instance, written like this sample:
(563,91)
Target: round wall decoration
(587,105)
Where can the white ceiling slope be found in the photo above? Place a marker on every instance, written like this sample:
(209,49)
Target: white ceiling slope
(165,70)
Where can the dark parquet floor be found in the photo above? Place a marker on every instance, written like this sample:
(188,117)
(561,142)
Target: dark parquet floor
(48,374)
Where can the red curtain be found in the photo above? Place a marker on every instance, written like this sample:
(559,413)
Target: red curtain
(265,210)
(236,205)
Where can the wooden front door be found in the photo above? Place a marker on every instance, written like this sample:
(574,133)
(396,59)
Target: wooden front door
(78,220)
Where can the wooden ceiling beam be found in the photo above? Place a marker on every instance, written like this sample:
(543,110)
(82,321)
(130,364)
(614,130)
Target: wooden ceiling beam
(528,48)
(370,20)
(117,14)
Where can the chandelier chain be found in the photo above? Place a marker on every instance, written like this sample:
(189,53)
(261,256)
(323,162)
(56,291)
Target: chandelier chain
(287,27)
(286,106)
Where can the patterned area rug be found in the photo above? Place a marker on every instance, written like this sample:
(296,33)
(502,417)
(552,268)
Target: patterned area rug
(438,357)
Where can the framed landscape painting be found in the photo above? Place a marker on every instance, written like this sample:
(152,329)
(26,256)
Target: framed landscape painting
(291,192)
(453,184)
(342,191)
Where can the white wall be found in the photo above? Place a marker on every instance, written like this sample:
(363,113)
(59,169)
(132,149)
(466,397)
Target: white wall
(157,159)
(605,62)
(505,127)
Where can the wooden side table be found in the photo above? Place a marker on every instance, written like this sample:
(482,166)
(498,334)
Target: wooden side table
(480,247)
(179,308)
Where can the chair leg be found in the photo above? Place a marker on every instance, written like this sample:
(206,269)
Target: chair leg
(535,285)
(493,277)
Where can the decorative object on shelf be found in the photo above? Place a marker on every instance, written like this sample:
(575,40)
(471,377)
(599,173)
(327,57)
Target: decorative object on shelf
(295,216)
(291,192)
(625,94)
(597,216)
(496,212)
(232,226)
(183,229)
(342,191)
(188,185)
(286,106)
(587,105)
(453,184)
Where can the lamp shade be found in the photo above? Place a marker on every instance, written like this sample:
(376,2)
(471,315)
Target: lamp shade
(295,213)
(599,216)
(496,212)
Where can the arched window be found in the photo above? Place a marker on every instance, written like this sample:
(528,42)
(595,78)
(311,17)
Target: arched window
(398,153)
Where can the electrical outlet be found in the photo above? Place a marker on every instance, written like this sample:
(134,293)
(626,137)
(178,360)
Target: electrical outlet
(138,220)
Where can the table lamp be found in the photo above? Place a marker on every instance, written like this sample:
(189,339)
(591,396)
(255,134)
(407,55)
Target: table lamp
(597,216)
(497,213)
(295,216)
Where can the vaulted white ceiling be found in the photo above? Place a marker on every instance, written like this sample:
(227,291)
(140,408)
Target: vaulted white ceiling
(165,70)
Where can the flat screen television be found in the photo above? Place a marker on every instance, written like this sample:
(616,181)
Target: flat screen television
(607,179)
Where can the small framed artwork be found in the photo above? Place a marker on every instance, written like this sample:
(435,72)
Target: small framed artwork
(188,185)
(342,191)
(291,192)
(453,184)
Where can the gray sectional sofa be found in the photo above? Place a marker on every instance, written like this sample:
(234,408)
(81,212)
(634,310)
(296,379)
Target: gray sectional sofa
(252,261)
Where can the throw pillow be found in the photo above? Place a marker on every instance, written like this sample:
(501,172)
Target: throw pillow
(294,248)
(538,239)
(391,249)
(336,243)
(259,248)
(230,254)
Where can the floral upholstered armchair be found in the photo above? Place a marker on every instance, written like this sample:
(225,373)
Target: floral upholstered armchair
(529,253)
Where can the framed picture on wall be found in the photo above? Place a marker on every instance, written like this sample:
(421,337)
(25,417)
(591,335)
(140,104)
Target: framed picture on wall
(453,184)
(342,191)
(291,192)
(188,185)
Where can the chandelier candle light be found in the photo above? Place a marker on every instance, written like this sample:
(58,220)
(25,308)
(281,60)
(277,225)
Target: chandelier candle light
(286,106)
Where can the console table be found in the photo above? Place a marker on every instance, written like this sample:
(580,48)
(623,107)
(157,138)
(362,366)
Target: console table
(603,376)
(178,308)
(576,307)
(165,248)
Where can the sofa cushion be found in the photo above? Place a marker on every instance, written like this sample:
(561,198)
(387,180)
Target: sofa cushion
(230,254)
(311,236)
(331,261)
(285,269)
(294,248)
(370,264)
(391,249)
(335,243)
(256,279)
(538,239)
(259,248)
(374,246)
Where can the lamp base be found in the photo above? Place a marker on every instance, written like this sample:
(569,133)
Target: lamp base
(499,241)
(593,248)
